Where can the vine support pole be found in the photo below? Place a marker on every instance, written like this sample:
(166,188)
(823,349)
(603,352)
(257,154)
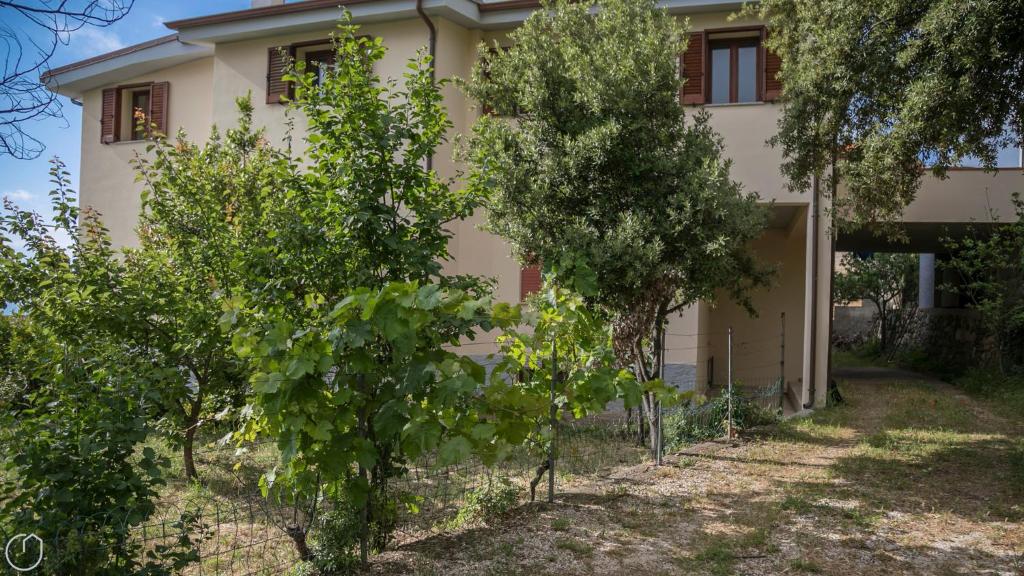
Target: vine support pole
(729,384)
(658,440)
(554,423)
(782,362)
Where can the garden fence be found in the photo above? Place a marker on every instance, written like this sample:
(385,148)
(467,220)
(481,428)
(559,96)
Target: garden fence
(225,526)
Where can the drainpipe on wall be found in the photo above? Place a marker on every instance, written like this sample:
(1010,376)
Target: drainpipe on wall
(432,50)
(814,291)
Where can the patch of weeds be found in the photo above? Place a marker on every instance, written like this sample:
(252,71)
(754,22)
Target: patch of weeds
(718,557)
(798,504)
(560,524)
(686,462)
(575,546)
(862,518)
(917,405)
(506,549)
(639,522)
(615,492)
(806,566)
(493,500)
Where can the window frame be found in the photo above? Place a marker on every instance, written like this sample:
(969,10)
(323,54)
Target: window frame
(735,43)
(127,92)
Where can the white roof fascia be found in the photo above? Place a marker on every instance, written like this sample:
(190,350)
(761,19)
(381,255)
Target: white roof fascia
(79,80)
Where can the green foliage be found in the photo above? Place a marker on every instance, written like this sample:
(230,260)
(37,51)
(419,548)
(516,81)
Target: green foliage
(991,269)
(199,207)
(335,542)
(368,383)
(558,327)
(492,500)
(348,325)
(884,87)
(692,424)
(591,168)
(889,282)
(75,416)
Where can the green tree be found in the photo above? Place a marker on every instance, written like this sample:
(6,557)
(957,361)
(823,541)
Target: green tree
(199,216)
(991,270)
(559,364)
(348,327)
(882,88)
(589,161)
(889,282)
(76,399)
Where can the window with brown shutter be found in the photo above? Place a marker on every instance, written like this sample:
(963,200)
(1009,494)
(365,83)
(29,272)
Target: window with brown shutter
(529,281)
(772,83)
(692,65)
(278,58)
(132,111)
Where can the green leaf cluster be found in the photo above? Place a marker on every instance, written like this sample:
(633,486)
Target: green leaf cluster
(889,90)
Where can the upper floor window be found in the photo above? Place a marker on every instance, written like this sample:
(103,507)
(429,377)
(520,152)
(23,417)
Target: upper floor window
(131,112)
(319,62)
(729,65)
(734,68)
(138,121)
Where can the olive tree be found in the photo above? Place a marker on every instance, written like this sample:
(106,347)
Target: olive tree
(889,282)
(881,89)
(588,160)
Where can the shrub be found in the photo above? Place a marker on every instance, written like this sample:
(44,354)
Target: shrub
(692,424)
(335,541)
(486,502)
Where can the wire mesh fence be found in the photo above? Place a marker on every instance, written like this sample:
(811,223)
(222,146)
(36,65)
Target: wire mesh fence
(224,525)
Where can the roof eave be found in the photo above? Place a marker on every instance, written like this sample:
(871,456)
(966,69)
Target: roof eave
(75,79)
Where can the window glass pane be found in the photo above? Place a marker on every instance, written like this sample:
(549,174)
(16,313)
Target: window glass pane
(720,75)
(746,74)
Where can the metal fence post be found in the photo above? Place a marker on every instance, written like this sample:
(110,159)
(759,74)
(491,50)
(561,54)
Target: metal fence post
(782,362)
(729,365)
(658,439)
(554,423)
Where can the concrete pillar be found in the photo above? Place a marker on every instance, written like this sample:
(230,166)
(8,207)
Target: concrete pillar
(805,368)
(926,281)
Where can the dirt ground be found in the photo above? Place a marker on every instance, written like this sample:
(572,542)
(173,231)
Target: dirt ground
(910,476)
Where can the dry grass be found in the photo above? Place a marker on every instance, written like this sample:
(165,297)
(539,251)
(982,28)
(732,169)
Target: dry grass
(910,477)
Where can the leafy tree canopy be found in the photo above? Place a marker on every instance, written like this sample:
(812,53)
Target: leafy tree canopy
(887,88)
(591,167)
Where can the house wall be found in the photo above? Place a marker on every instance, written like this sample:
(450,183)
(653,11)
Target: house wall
(204,92)
(757,339)
(107,181)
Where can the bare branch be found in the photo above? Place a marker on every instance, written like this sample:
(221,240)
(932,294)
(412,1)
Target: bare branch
(30,31)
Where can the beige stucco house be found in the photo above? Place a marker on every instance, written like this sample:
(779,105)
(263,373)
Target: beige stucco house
(190,78)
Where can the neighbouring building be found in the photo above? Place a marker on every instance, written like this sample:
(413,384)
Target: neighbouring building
(190,79)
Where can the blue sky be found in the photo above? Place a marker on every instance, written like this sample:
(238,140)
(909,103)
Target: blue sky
(27,181)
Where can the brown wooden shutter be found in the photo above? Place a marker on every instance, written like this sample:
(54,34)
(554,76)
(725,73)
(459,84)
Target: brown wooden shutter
(110,115)
(529,281)
(278,58)
(692,64)
(158,102)
(772,84)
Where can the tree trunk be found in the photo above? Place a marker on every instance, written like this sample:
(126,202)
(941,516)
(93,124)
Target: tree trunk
(191,427)
(298,536)
(187,452)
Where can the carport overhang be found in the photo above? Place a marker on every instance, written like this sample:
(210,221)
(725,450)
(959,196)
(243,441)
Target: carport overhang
(912,237)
